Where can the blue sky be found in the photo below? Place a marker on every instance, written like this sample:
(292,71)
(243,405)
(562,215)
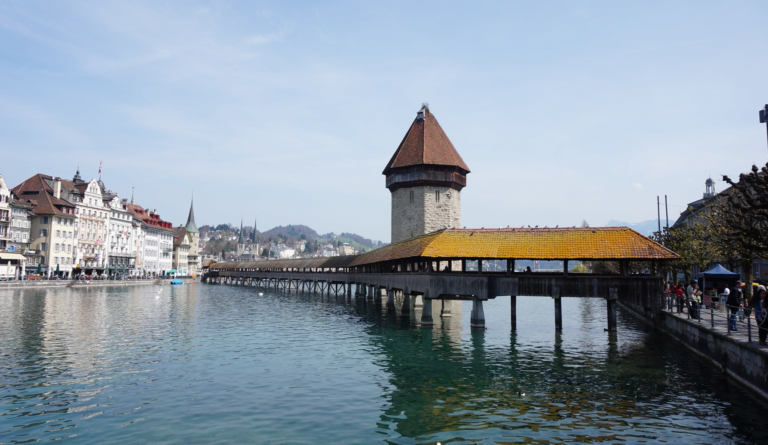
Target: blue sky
(563,110)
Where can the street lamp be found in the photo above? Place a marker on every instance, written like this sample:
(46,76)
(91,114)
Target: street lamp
(764,118)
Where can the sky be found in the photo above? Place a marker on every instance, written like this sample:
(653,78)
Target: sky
(563,111)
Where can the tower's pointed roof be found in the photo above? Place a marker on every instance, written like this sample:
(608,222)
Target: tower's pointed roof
(425,143)
(191,226)
(253,236)
(240,240)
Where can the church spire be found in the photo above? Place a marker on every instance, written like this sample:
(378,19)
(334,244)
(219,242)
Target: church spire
(240,241)
(253,237)
(191,226)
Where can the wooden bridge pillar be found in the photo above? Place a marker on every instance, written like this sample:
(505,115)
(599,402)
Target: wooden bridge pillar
(558,314)
(477,318)
(513,311)
(426,312)
(406,309)
(390,299)
(444,313)
(611,302)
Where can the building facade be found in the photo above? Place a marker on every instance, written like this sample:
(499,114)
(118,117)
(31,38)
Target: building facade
(5,215)
(122,237)
(181,245)
(91,255)
(21,225)
(52,228)
(155,257)
(425,177)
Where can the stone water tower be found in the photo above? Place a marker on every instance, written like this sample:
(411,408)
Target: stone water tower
(425,176)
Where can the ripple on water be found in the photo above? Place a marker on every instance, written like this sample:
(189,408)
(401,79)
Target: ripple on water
(222,364)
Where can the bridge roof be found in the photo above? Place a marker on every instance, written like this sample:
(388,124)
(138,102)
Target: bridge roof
(591,243)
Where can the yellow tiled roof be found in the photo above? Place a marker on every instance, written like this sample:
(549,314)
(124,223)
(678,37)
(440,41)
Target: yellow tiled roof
(592,243)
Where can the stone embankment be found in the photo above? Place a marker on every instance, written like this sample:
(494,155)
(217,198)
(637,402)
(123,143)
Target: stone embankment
(735,353)
(49,284)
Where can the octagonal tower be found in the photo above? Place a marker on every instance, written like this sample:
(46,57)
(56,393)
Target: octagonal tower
(425,176)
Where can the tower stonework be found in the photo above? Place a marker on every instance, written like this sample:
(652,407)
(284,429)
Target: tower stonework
(425,176)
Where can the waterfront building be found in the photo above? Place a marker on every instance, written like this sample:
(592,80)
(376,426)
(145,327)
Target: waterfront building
(122,237)
(182,242)
(91,230)
(696,212)
(21,224)
(5,214)
(425,177)
(52,226)
(157,241)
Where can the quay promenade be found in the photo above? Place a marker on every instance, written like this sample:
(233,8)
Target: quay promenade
(62,284)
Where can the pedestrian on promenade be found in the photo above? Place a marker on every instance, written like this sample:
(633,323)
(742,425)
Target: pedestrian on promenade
(744,312)
(760,315)
(693,306)
(732,303)
(680,297)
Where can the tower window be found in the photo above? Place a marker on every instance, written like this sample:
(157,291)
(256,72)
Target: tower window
(437,195)
(411,195)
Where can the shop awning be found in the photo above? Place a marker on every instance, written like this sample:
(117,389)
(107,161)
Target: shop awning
(12,256)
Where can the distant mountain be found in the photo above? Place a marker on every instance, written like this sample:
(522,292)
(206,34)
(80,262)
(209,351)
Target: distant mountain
(291,231)
(646,227)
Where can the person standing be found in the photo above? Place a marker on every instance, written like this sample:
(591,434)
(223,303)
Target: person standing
(680,296)
(760,315)
(732,303)
(693,306)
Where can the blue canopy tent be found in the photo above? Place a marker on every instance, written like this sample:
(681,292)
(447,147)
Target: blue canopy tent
(719,277)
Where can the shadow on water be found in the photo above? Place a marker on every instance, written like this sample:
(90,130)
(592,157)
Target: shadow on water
(632,386)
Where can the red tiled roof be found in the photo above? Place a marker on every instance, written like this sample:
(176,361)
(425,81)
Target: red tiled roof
(150,219)
(426,143)
(593,243)
(39,193)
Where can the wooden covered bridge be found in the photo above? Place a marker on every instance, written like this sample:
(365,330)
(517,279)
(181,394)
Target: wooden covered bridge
(476,265)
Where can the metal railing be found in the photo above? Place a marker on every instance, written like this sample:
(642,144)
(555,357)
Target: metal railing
(717,316)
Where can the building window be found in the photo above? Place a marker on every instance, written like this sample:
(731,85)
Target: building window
(43,232)
(44,220)
(437,195)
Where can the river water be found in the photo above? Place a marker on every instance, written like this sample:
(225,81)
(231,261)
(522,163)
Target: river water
(217,364)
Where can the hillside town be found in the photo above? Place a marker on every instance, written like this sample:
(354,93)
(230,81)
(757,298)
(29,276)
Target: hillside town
(53,228)
(225,242)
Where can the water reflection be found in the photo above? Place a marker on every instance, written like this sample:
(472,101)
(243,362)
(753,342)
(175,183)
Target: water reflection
(204,363)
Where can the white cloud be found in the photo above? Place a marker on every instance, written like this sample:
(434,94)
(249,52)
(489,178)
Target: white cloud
(638,186)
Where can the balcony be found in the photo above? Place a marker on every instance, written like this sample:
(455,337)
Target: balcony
(123,254)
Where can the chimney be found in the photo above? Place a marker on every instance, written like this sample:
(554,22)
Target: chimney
(57,188)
